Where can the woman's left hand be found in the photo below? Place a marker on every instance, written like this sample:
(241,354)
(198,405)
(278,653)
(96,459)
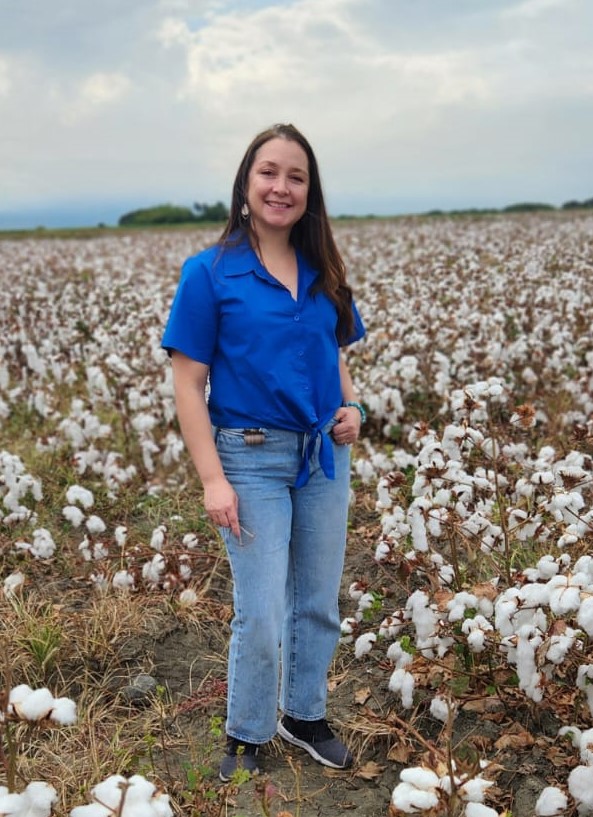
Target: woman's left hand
(347,427)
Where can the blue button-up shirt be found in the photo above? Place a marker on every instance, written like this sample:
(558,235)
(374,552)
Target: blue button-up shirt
(274,361)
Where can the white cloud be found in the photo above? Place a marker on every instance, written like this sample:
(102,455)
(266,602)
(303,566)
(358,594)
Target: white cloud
(533,8)
(157,99)
(94,93)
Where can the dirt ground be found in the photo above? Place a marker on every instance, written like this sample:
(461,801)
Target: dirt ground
(190,661)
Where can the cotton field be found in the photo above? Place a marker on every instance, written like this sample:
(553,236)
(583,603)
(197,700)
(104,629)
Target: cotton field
(477,375)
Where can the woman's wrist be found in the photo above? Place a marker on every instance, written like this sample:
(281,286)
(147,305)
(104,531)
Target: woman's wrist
(355,404)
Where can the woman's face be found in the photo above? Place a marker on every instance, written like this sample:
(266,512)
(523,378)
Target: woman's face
(278,185)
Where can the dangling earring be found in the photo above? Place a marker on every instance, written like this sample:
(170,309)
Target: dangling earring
(245,211)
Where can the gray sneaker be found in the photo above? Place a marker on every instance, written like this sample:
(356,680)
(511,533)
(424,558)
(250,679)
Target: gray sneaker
(316,738)
(239,755)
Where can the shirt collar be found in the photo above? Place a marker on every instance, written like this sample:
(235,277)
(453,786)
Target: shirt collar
(240,259)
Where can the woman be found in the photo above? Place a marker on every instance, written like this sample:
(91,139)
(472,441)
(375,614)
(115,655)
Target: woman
(262,316)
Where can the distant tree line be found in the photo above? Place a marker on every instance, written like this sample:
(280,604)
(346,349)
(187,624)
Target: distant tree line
(522,207)
(218,212)
(173,214)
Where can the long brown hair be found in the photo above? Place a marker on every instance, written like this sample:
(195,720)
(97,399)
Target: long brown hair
(311,235)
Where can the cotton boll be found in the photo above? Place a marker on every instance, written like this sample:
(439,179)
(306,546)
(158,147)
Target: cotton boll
(479,810)
(382,551)
(391,626)
(43,546)
(585,565)
(10,804)
(547,567)
(398,656)
(190,541)
(585,615)
(35,706)
(95,525)
(152,571)
(80,495)
(364,644)
(13,584)
(85,549)
(188,598)
(356,590)
(109,791)
(35,801)
(122,580)
(476,641)
(157,539)
(63,712)
(364,470)
(475,789)
(441,708)
(17,695)
(586,746)
(551,802)
(560,645)
(348,625)
(580,786)
(418,530)
(409,799)
(420,777)
(403,682)
(73,514)
(565,597)
(365,602)
(121,535)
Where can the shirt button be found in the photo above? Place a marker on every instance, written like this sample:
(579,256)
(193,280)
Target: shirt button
(297,317)
(301,353)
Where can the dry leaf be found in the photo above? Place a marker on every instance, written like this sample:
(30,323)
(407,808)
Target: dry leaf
(485,590)
(490,703)
(400,753)
(362,695)
(442,598)
(515,738)
(370,771)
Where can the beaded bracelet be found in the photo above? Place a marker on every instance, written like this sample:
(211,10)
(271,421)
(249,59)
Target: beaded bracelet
(360,407)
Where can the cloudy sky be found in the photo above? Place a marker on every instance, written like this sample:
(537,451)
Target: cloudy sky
(110,105)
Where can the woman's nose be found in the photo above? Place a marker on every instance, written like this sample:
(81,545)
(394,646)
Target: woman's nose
(280,184)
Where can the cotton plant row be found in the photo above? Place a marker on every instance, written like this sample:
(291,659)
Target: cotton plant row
(449,303)
(423,791)
(445,303)
(160,563)
(476,488)
(92,369)
(117,796)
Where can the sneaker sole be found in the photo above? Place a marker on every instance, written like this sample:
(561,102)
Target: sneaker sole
(308,747)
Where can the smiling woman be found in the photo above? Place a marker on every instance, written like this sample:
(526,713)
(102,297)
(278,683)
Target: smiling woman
(262,316)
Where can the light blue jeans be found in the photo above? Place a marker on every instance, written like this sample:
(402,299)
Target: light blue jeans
(286,571)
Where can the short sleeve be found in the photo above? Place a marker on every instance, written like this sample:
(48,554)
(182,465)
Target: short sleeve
(192,327)
(359,330)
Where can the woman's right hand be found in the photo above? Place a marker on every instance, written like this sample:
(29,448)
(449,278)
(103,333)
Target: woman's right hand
(222,505)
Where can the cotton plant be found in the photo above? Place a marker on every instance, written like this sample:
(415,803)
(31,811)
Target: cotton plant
(118,796)
(16,485)
(36,800)
(35,707)
(424,790)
